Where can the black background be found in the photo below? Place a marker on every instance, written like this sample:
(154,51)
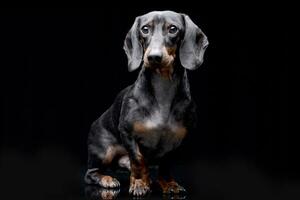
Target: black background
(61,68)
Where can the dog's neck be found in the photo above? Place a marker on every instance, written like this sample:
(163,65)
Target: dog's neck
(164,89)
(152,86)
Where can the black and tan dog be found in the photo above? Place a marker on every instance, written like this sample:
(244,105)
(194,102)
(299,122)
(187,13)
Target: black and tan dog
(150,118)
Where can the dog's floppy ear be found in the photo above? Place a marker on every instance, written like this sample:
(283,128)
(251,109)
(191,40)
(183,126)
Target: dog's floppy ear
(133,47)
(193,45)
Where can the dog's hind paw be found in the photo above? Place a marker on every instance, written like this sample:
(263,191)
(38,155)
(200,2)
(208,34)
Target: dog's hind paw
(108,182)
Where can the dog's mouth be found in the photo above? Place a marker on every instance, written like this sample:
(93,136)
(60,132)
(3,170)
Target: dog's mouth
(158,66)
(165,71)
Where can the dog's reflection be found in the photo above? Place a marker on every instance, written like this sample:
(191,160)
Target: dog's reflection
(96,193)
(175,197)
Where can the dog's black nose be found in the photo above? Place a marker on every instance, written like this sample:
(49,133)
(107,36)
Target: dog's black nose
(155,58)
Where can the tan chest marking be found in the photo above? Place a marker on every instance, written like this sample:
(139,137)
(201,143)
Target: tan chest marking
(178,131)
(139,127)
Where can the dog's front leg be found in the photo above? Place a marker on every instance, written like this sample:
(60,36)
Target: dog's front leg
(139,177)
(165,179)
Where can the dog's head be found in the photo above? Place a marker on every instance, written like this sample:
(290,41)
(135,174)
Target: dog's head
(156,38)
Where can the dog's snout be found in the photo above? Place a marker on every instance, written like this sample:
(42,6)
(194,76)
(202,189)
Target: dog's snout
(155,58)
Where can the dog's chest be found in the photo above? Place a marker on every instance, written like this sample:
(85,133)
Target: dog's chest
(156,129)
(159,132)
(157,119)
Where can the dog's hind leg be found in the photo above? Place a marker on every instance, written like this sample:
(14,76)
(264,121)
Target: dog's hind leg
(103,148)
(94,173)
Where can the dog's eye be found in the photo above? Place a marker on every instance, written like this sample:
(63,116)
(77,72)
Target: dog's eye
(145,29)
(173,29)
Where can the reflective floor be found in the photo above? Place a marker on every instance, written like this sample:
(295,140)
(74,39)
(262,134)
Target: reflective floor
(57,176)
(94,192)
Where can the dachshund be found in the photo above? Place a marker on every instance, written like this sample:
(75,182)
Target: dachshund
(150,118)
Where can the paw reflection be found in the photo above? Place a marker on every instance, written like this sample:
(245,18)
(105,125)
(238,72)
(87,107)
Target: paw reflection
(174,196)
(98,193)
(109,193)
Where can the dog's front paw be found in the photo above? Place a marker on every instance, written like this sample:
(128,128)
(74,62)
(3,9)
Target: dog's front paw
(139,187)
(171,187)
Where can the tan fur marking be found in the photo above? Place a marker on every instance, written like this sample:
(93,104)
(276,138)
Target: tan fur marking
(172,51)
(112,152)
(146,61)
(139,127)
(105,178)
(139,169)
(180,132)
